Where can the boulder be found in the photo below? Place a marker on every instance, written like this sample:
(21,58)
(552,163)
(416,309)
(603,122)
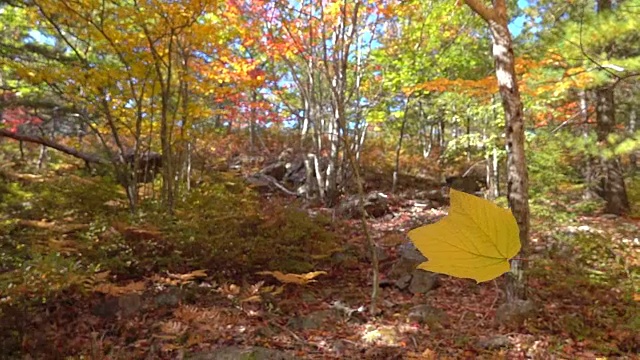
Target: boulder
(376,205)
(435,195)
(409,257)
(407,276)
(470,185)
(277,170)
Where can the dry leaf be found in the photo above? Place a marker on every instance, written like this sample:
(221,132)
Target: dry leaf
(253,298)
(300,279)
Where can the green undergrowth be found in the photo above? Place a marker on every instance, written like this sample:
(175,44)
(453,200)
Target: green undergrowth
(594,303)
(55,234)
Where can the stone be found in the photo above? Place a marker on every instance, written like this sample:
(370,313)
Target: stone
(375,204)
(469,185)
(240,353)
(435,195)
(276,170)
(382,254)
(259,184)
(407,276)
(409,258)
(403,282)
(169,298)
(310,321)
(494,342)
(423,281)
(515,312)
(427,314)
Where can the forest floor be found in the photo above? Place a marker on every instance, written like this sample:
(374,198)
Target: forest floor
(582,272)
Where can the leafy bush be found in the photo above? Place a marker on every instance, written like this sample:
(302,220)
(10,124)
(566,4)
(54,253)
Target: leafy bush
(550,160)
(633,192)
(223,226)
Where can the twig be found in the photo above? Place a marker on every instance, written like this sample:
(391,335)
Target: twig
(286,329)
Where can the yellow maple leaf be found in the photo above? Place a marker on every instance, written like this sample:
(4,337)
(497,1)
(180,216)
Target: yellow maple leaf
(300,279)
(476,240)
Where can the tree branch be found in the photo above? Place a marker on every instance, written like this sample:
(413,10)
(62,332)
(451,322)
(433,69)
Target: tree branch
(54,145)
(479,8)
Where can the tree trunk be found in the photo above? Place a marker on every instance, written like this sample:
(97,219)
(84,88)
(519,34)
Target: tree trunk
(517,177)
(633,157)
(612,180)
(396,168)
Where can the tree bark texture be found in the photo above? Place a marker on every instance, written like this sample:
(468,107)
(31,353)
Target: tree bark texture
(517,176)
(611,176)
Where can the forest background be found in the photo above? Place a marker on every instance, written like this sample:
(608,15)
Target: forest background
(186,179)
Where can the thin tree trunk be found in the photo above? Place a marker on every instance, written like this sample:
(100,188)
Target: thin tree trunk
(21,150)
(42,157)
(633,157)
(396,168)
(468,128)
(591,190)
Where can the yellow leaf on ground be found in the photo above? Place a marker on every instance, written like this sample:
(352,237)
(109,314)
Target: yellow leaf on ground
(476,240)
(300,279)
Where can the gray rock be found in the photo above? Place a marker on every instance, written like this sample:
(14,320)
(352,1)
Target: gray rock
(426,314)
(494,343)
(433,195)
(310,321)
(238,353)
(409,252)
(382,254)
(403,282)
(423,281)
(375,204)
(515,312)
(276,170)
(409,259)
(169,298)
(469,184)
(406,275)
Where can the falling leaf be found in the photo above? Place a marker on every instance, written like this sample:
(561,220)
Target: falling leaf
(300,279)
(476,240)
